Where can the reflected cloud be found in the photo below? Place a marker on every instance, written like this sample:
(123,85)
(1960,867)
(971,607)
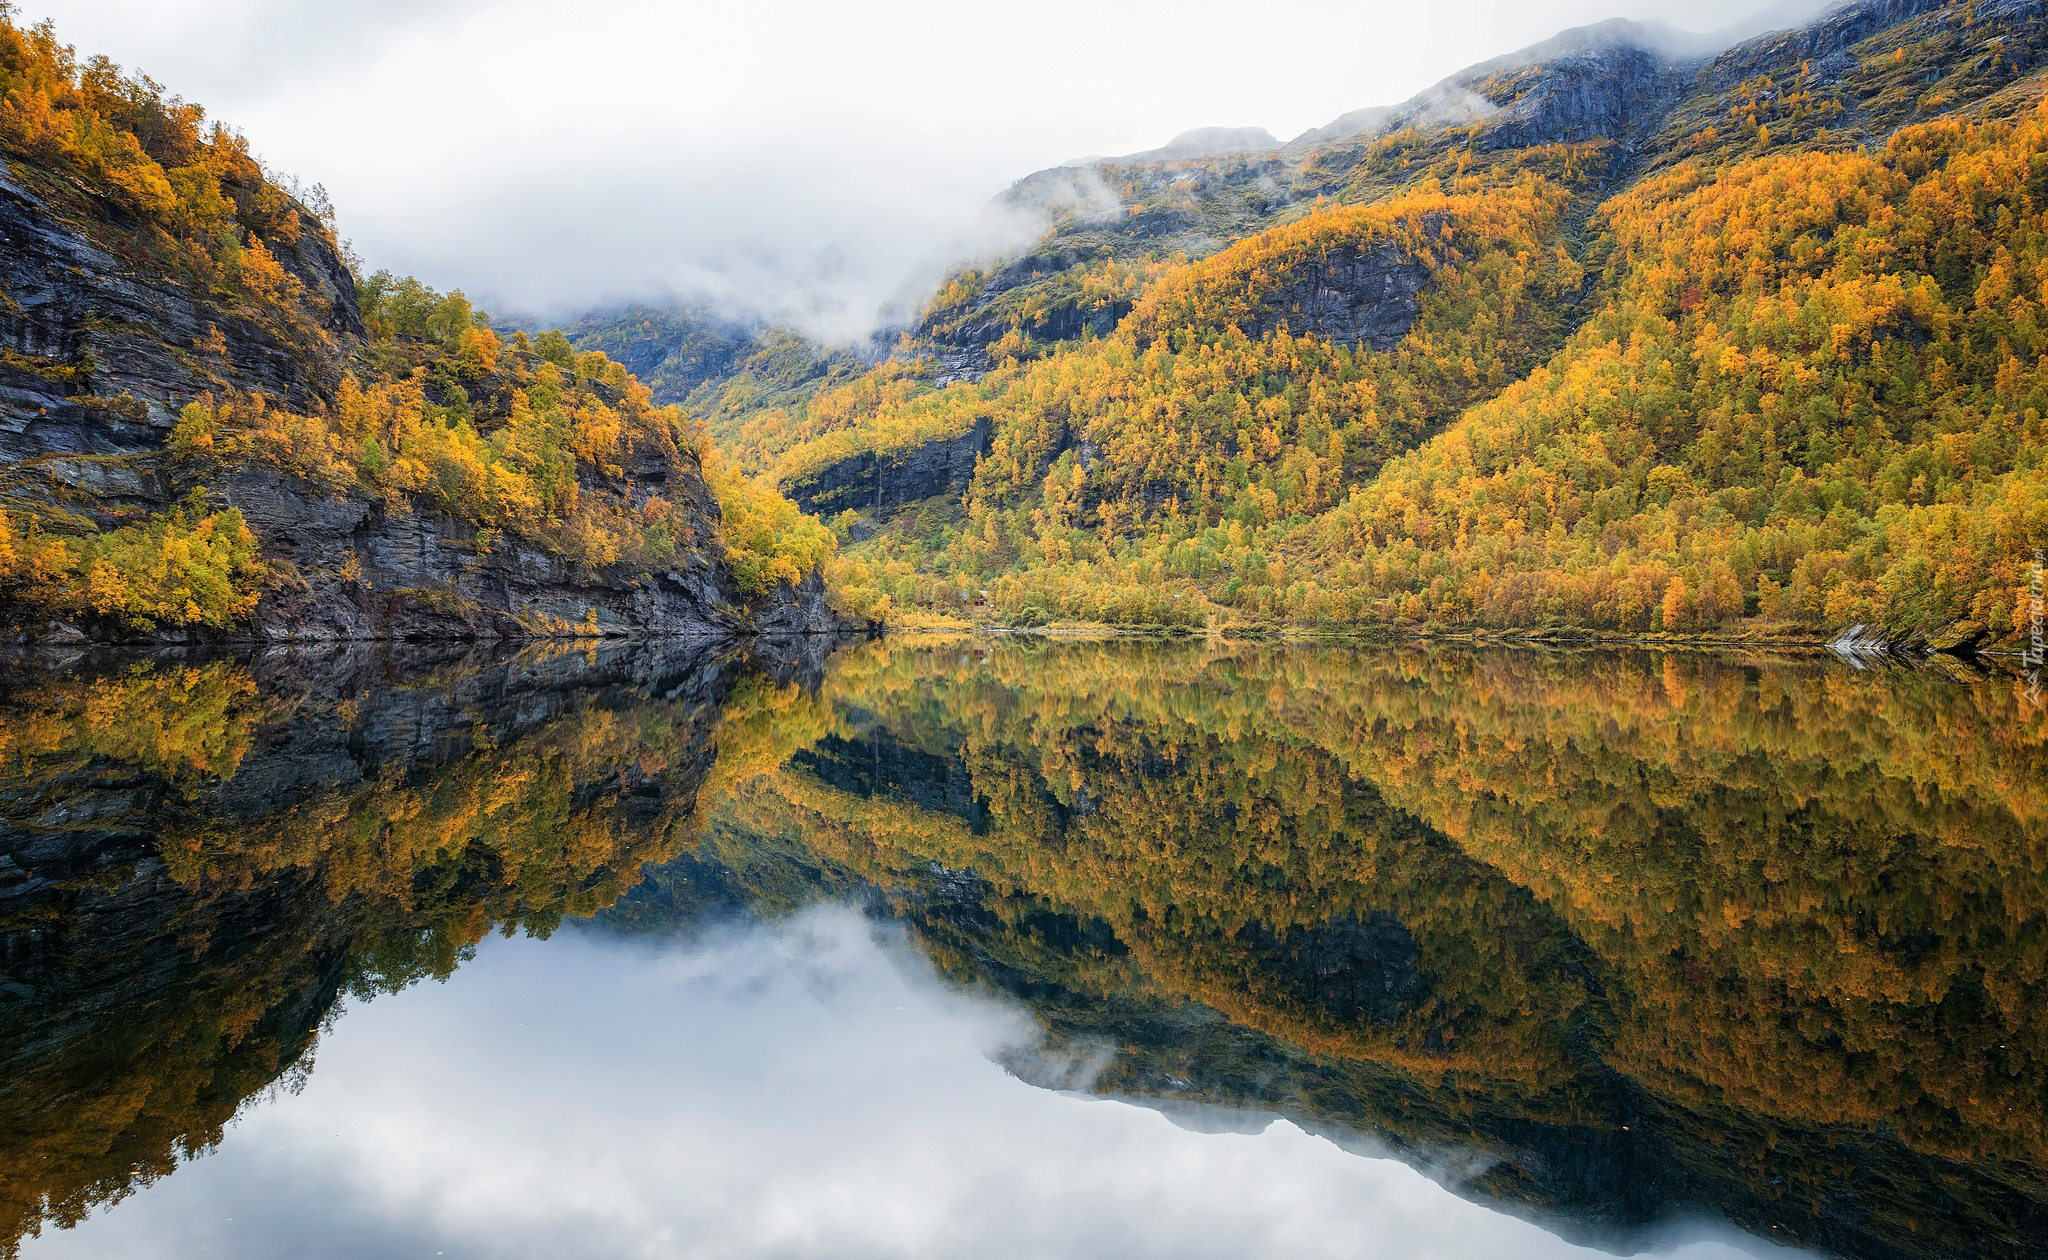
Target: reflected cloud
(804,1088)
(1597,940)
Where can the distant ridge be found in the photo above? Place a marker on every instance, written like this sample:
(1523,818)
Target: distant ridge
(1206,142)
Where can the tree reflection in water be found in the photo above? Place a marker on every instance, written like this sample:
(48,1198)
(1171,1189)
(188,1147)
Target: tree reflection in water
(1632,935)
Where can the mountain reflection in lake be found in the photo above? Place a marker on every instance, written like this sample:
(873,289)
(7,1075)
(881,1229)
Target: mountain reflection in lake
(1604,949)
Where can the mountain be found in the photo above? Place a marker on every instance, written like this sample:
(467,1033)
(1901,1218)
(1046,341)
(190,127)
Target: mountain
(672,350)
(212,427)
(1208,142)
(1617,335)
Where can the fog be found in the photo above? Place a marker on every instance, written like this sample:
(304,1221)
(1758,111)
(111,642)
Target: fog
(784,158)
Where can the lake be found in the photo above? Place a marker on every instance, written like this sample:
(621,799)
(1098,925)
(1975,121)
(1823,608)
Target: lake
(1016,947)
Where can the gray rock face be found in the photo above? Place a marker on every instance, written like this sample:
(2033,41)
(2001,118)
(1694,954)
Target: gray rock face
(962,363)
(1823,59)
(1612,92)
(1615,79)
(135,339)
(964,351)
(348,567)
(1354,297)
(801,612)
(881,484)
(1822,47)
(962,348)
(424,575)
(1860,645)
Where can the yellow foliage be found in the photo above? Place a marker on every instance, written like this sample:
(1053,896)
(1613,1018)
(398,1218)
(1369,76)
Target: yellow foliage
(206,210)
(186,567)
(768,541)
(1821,376)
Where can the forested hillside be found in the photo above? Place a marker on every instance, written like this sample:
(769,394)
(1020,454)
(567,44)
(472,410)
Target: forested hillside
(1611,337)
(212,426)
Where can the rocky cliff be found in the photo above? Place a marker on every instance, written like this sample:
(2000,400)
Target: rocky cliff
(103,342)
(1356,296)
(882,483)
(106,347)
(99,351)
(422,575)
(1605,83)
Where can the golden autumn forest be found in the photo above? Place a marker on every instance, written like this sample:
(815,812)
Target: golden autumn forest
(1789,378)
(1778,370)
(399,640)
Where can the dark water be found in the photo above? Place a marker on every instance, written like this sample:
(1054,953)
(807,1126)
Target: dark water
(1021,949)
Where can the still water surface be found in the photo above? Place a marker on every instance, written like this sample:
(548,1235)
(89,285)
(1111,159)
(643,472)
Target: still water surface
(1021,949)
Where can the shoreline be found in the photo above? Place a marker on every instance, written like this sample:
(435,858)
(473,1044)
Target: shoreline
(1304,635)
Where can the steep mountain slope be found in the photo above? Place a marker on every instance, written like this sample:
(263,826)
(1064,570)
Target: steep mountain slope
(1613,336)
(1636,95)
(719,369)
(208,428)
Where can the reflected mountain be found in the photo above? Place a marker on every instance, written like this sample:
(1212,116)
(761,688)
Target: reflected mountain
(1605,939)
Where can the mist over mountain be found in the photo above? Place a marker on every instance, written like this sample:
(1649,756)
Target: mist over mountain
(871,281)
(821,168)
(1206,383)
(853,267)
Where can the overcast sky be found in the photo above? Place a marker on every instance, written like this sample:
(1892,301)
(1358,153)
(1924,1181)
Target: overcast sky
(546,155)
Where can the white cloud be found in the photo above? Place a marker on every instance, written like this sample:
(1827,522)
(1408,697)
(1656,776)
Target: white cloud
(547,155)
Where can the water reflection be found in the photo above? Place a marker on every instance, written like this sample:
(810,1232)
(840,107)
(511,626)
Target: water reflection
(799,1089)
(200,858)
(1609,941)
